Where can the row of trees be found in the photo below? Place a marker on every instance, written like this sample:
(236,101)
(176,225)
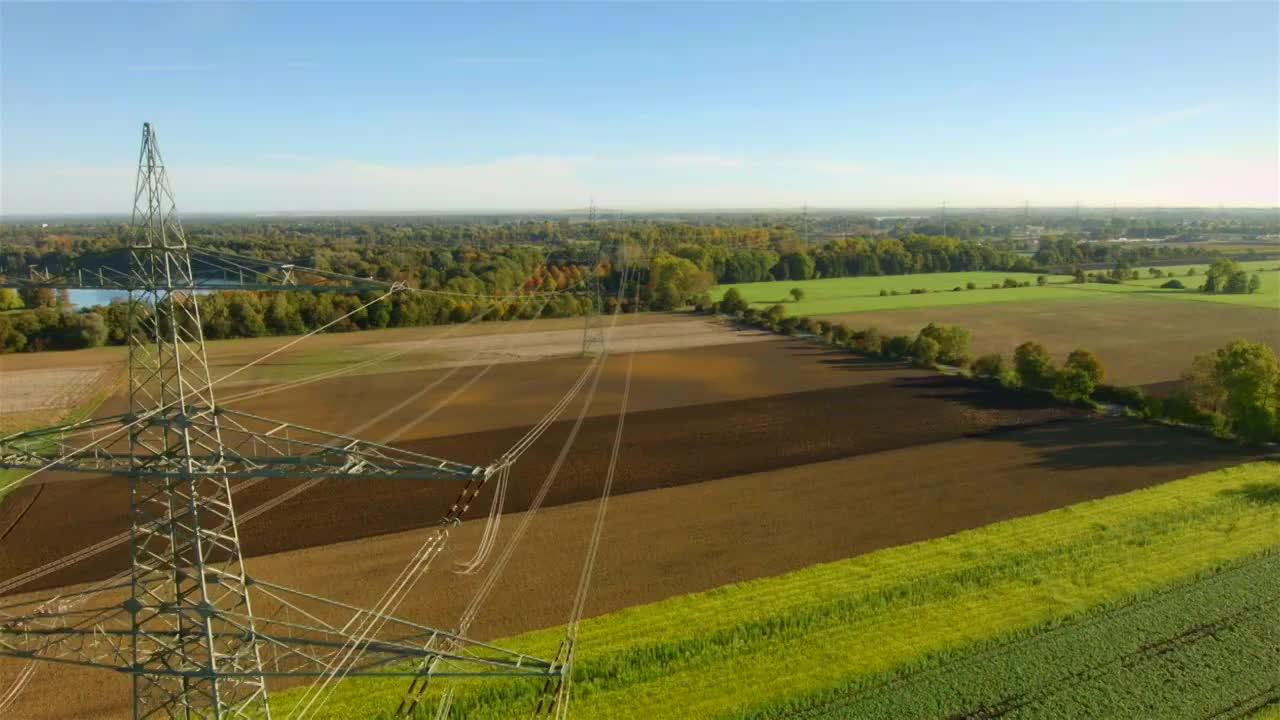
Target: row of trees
(1234,390)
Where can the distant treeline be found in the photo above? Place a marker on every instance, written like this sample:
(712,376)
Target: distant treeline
(482,265)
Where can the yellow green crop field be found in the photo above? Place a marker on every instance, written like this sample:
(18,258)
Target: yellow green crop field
(780,646)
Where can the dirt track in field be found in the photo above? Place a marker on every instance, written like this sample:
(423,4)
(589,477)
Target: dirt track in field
(1139,340)
(659,543)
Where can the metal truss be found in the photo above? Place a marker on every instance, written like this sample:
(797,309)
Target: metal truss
(197,635)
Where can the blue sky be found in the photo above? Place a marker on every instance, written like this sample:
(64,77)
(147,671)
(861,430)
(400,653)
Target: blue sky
(336,107)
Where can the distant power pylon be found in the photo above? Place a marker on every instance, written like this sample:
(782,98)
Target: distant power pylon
(192,633)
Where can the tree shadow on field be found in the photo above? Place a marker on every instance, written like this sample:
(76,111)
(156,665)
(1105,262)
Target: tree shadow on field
(845,361)
(1110,443)
(1258,493)
(975,395)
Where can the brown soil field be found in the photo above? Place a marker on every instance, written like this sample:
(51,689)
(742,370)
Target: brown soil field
(659,543)
(881,407)
(1139,340)
(232,353)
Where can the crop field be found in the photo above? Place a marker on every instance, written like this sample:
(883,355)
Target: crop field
(1140,340)
(1182,576)
(724,477)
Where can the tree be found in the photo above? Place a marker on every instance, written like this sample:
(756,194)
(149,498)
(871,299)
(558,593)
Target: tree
(675,281)
(733,302)
(871,342)
(925,350)
(93,330)
(9,299)
(38,297)
(1255,283)
(1088,363)
(1249,375)
(896,346)
(953,343)
(1033,365)
(1010,283)
(991,367)
(1122,271)
(1079,277)
(971,285)
(797,294)
(1237,283)
(1072,385)
(775,313)
(1219,275)
(1042,280)
(1174,284)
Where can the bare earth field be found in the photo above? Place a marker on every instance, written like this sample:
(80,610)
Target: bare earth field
(659,543)
(1140,340)
(740,460)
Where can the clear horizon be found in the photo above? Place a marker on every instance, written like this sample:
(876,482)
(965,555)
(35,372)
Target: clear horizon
(391,108)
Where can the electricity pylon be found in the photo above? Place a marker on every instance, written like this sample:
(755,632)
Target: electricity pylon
(192,633)
(598,257)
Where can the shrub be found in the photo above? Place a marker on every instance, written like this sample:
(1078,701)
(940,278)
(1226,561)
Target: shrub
(775,313)
(1072,385)
(1010,283)
(919,291)
(1174,284)
(995,286)
(871,341)
(733,302)
(883,292)
(1180,407)
(1033,365)
(840,334)
(990,367)
(956,289)
(897,346)
(797,294)
(925,350)
(789,326)
(1081,359)
(1042,280)
(1129,396)
(953,342)
(971,285)
(811,326)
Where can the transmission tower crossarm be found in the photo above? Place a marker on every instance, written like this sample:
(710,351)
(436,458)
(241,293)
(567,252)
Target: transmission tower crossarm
(251,446)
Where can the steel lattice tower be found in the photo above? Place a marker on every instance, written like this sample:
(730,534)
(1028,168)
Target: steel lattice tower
(187,633)
(188,577)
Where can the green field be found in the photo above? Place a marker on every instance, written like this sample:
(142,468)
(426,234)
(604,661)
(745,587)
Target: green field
(852,294)
(862,294)
(794,640)
(1183,653)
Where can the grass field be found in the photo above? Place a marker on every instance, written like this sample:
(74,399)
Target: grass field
(862,294)
(852,294)
(791,641)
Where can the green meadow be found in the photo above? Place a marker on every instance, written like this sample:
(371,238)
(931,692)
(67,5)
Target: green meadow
(834,296)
